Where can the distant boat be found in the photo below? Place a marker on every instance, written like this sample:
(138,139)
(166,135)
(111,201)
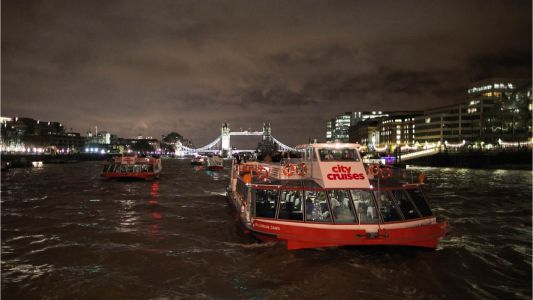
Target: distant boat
(20,163)
(133,167)
(198,161)
(5,166)
(215,163)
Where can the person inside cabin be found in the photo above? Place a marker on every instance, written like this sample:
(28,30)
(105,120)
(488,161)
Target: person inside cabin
(310,210)
(346,155)
(335,204)
(329,156)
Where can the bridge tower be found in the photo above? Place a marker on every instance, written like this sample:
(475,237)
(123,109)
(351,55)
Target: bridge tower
(225,134)
(267,133)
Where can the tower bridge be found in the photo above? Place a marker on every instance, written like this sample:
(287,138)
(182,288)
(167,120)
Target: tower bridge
(222,143)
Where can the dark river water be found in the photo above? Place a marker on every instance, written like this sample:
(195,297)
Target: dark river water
(67,234)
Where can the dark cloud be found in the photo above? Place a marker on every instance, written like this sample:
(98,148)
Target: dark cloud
(151,67)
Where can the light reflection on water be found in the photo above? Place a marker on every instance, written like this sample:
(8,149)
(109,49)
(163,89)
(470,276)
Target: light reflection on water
(68,234)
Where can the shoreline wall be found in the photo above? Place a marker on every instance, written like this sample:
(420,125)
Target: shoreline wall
(512,159)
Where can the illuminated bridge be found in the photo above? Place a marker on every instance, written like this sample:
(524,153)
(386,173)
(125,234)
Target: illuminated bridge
(223,142)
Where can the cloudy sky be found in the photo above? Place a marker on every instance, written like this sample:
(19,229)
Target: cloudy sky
(151,67)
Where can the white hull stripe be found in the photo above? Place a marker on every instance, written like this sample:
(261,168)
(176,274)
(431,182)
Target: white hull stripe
(367,227)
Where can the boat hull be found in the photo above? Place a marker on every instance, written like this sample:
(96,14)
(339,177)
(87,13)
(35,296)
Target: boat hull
(299,236)
(424,233)
(130,175)
(215,168)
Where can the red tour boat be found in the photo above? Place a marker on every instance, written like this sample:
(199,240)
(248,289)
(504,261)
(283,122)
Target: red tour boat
(215,163)
(132,166)
(328,198)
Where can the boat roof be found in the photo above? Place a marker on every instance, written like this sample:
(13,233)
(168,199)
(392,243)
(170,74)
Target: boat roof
(309,184)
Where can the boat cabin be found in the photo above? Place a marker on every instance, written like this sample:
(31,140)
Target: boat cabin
(328,184)
(305,201)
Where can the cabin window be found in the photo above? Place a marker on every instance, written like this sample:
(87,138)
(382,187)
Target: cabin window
(265,203)
(341,206)
(316,207)
(306,154)
(407,208)
(291,205)
(338,154)
(365,207)
(387,206)
(420,202)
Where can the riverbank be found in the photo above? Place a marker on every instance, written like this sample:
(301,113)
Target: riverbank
(48,158)
(515,159)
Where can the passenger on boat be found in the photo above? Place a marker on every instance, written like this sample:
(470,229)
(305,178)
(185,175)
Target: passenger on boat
(329,156)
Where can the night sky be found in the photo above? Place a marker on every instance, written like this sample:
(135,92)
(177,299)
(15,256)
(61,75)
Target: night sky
(152,67)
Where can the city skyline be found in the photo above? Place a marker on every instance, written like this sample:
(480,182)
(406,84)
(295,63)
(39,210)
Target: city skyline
(151,68)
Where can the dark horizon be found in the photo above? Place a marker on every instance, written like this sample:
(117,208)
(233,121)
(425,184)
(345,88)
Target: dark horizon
(150,68)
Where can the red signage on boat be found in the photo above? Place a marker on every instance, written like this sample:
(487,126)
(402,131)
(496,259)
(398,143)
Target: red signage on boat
(340,172)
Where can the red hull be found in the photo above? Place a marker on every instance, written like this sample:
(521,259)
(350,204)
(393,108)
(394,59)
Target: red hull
(132,175)
(215,168)
(299,237)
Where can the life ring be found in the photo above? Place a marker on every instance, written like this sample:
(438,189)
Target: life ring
(375,170)
(288,170)
(262,172)
(301,170)
(386,172)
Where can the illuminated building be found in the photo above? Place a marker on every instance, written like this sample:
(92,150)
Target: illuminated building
(398,129)
(22,134)
(338,129)
(495,109)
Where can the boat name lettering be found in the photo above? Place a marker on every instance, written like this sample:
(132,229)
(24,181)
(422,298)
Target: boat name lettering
(271,227)
(344,173)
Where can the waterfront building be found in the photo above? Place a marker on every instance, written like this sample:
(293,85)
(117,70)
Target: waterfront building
(99,138)
(398,129)
(496,109)
(329,130)
(338,128)
(365,132)
(382,128)
(341,127)
(29,135)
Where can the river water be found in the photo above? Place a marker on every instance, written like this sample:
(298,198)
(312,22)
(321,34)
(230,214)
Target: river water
(67,234)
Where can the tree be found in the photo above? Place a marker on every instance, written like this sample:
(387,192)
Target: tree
(172,138)
(142,146)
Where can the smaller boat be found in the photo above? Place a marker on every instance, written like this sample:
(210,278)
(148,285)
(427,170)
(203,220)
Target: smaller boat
(133,167)
(215,163)
(198,160)
(5,166)
(20,163)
